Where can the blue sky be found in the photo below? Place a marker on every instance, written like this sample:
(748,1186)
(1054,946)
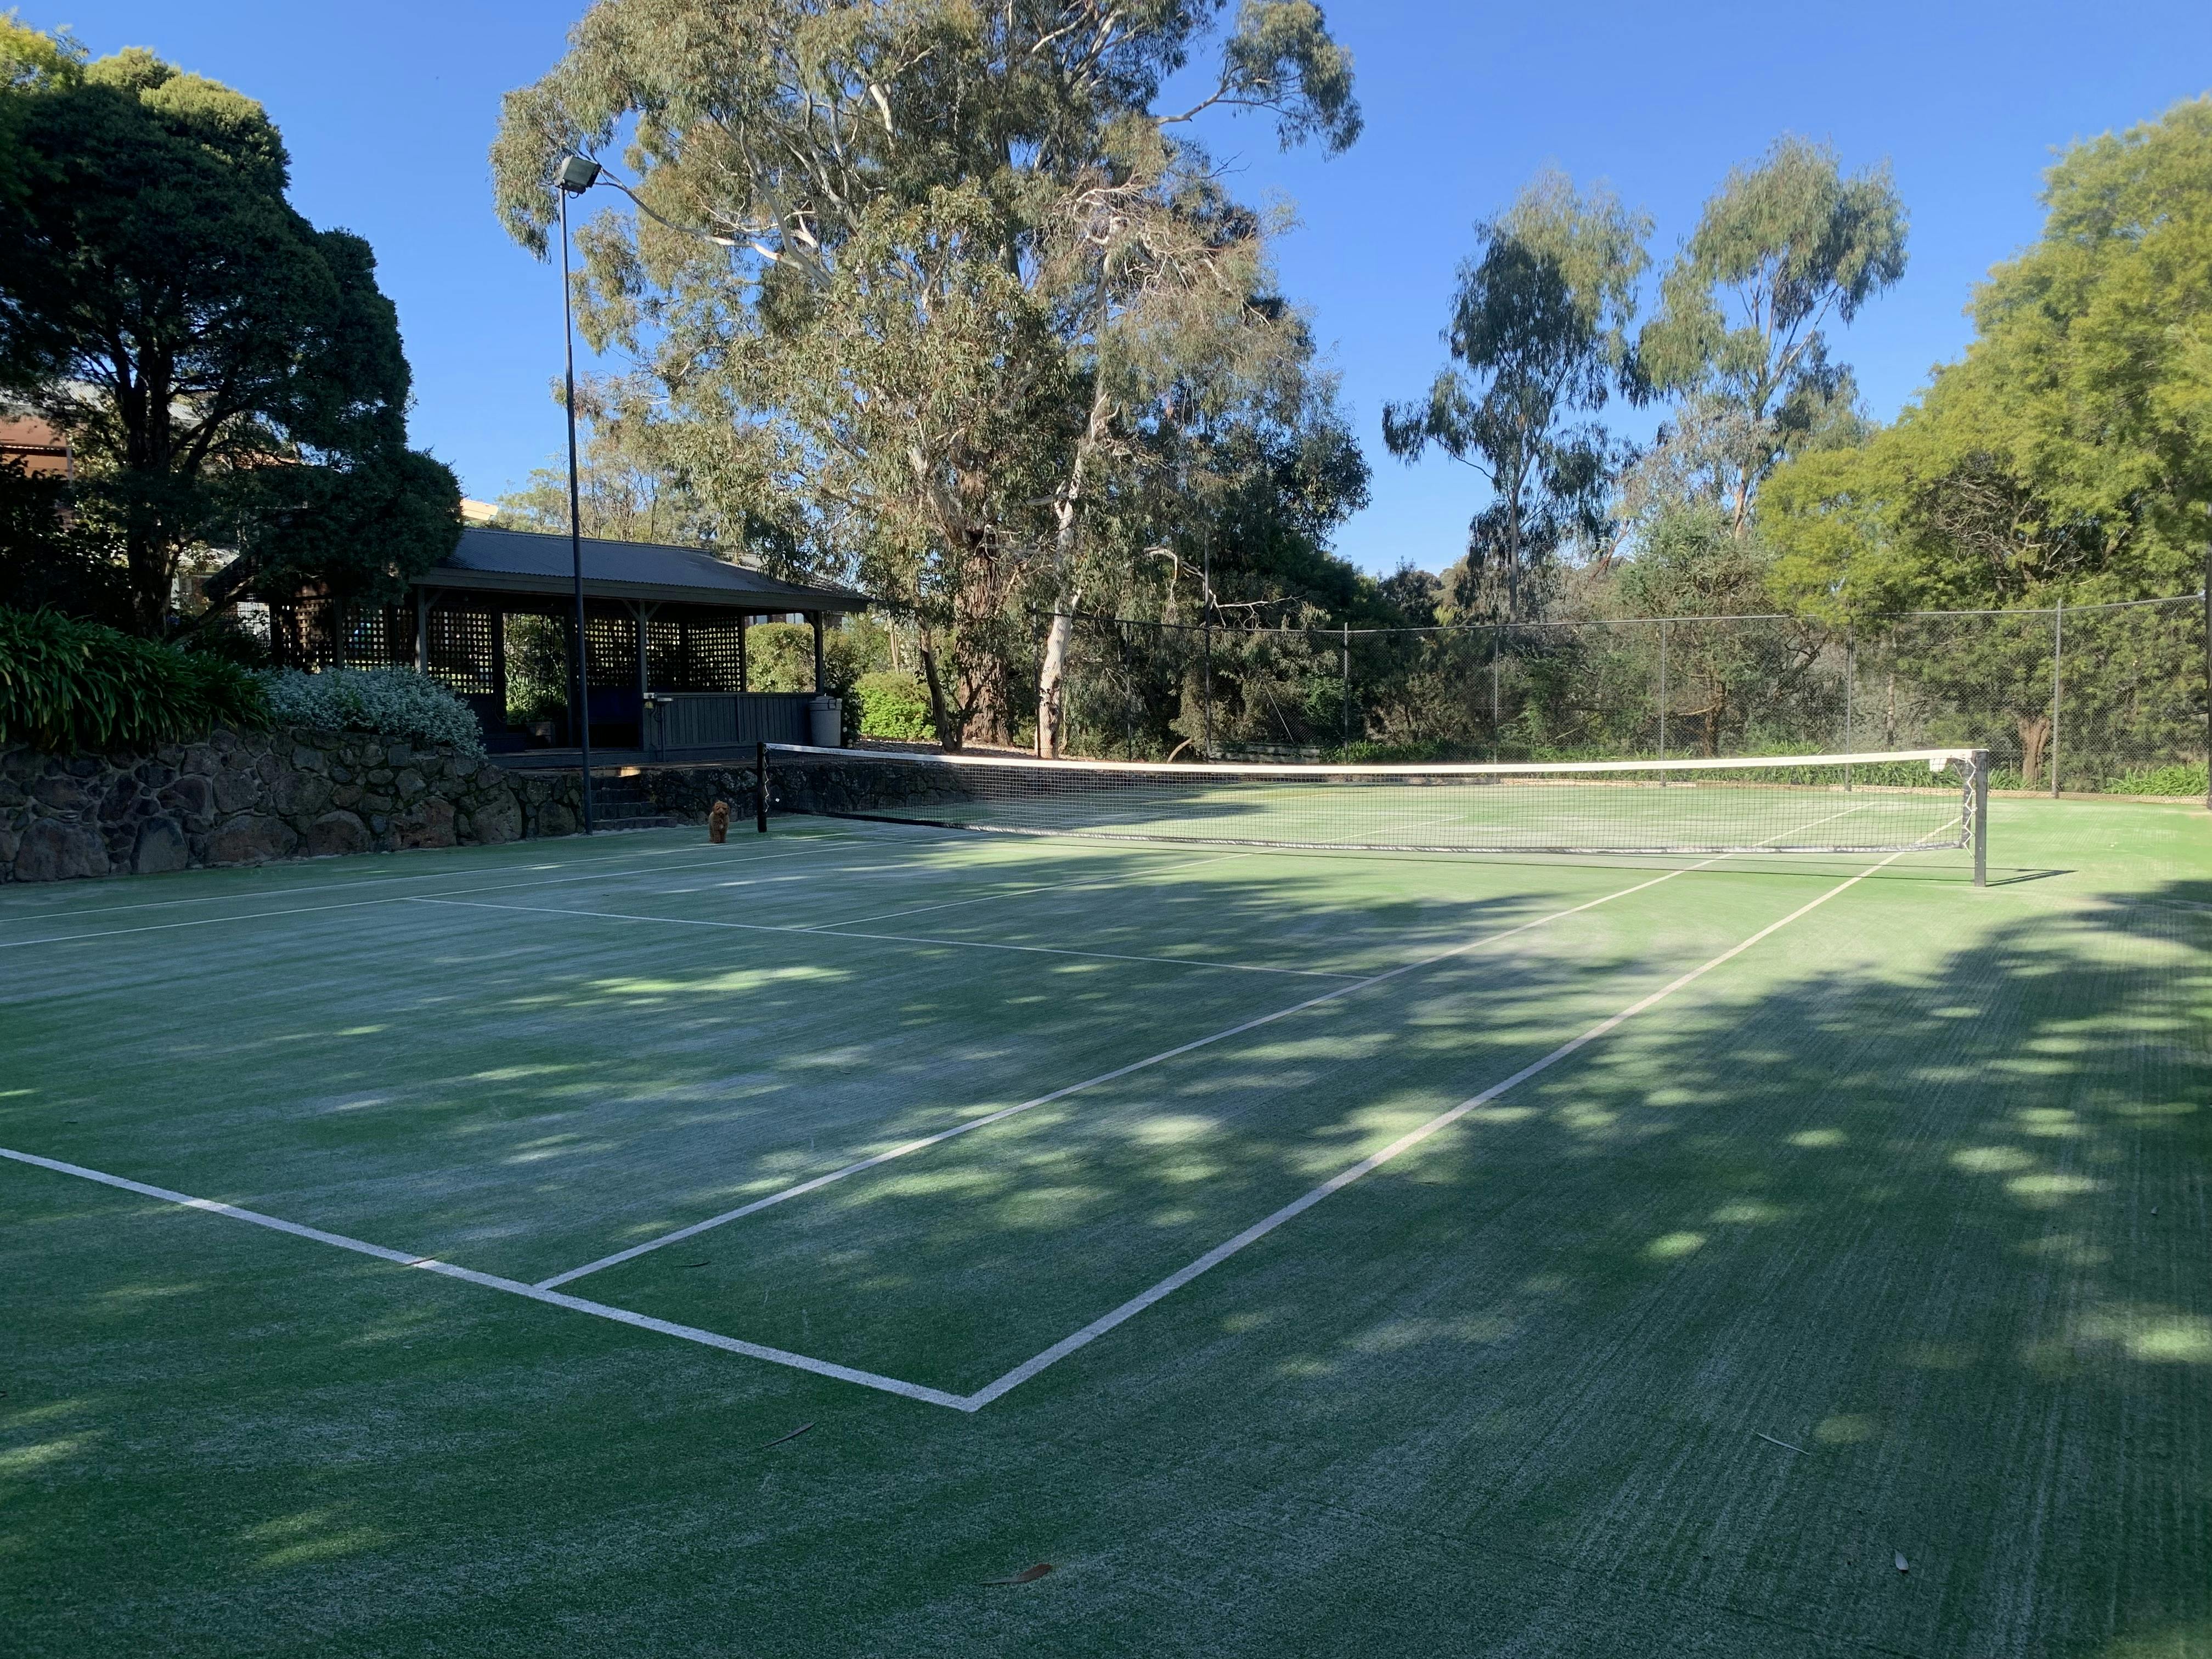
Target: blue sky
(389,110)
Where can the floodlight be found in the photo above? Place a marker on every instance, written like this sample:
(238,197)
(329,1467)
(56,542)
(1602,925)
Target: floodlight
(578,174)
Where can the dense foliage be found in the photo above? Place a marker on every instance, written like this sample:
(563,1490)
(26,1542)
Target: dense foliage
(229,375)
(67,685)
(945,298)
(394,702)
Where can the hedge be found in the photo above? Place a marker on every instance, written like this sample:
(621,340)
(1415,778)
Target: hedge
(69,686)
(393,702)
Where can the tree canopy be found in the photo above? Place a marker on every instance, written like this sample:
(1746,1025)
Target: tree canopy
(228,373)
(942,297)
(2068,455)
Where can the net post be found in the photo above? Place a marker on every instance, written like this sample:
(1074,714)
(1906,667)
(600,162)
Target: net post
(1981,808)
(760,787)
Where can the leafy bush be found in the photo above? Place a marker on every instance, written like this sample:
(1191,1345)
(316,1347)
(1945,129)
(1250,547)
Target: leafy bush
(893,705)
(2179,780)
(69,685)
(393,702)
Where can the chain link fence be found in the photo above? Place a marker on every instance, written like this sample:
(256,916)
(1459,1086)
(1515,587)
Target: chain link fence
(2106,699)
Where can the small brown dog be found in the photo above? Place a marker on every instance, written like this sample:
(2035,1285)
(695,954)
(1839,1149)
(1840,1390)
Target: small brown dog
(718,822)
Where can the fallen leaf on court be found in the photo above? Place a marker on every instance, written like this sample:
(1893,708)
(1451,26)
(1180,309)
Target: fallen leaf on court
(1026,1575)
(1902,1565)
(781,1439)
(691,1264)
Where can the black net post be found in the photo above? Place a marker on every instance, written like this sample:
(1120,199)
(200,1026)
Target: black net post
(1979,783)
(760,787)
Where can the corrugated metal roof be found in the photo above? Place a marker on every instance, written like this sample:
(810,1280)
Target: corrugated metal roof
(533,562)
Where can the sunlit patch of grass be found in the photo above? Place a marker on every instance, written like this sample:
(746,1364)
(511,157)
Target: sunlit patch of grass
(2154,1335)
(23,1460)
(1846,1429)
(1749,1211)
(311,1535)
(2050,1188)
(1819,1138)
(128,1293)
(1992,1160)
(1672,1246)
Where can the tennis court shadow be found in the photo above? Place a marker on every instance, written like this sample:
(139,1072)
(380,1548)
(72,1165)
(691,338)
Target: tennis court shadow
(1939,1232)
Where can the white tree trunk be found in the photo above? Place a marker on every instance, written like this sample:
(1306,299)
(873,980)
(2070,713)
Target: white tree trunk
(1067,512)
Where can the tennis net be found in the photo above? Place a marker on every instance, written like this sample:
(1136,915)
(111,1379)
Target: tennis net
(1869,803)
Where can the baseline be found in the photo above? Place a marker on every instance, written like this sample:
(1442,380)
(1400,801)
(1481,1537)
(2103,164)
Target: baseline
(723,862)
(492,1281)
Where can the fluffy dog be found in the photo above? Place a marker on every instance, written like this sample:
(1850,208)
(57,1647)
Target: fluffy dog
(718,822)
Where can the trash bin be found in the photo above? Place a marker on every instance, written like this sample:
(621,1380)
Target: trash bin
(824,721)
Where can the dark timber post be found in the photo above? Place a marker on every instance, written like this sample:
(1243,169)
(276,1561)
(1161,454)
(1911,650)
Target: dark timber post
(583,705)
(760,786)
(817,620)
(421,631)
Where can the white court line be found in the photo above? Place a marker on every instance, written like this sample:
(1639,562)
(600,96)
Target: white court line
(1075,883)
(1021,1373)
(512,1287)
(29,915)
(1412,1138)
(894,938)
(723,862)
(1006,1112)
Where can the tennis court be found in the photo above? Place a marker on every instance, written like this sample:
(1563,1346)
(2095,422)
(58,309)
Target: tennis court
(1298,1249)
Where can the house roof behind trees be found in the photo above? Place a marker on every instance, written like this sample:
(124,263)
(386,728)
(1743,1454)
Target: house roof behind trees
(533,562)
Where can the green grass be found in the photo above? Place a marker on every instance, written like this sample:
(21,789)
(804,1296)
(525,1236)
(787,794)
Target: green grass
(1917,1184)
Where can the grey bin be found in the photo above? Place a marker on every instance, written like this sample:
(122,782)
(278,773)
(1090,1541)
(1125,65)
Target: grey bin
(823,715)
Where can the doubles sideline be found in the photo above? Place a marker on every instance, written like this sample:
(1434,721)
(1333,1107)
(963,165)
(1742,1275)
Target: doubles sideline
(999,1387)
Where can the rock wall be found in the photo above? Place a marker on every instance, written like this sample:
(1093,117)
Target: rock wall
(246,798)
(250,797)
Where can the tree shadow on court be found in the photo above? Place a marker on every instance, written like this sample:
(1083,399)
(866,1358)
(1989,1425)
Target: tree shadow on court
(1764,1291)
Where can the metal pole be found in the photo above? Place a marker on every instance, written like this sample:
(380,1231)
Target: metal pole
(1497,651)
(1347,682)
(2208,676)
(760,786)
(583,705)
(421,631)
(1851,674)
(1981,788)
(1662,691)
(1206,633)
(2057,658)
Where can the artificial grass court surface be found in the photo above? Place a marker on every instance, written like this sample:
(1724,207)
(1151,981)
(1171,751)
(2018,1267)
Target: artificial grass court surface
(1915,1184)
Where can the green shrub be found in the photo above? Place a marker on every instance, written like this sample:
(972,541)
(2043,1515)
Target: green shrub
(67,685)
(893,705)
(2185,779)
(393,702)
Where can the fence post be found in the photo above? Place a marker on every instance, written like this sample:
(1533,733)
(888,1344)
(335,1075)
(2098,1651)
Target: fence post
(1497,650)
(2208,676)
(1981,791)
(1662,689)
(1347,683)
(1850,679)
(760,785)
(2058,658)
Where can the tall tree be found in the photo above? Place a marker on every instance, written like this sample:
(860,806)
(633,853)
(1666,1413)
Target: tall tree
(1538,338)
(941,266)
(1782,247)
(226,371)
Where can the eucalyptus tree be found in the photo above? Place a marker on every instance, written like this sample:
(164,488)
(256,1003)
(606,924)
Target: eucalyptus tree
(226,371)
(1537,339)
(941,272)
(1784,247)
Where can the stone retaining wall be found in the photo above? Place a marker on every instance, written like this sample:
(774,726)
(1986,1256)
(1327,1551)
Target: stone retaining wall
(248,798)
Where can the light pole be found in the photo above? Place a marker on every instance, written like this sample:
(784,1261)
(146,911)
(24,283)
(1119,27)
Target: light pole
(578,174)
